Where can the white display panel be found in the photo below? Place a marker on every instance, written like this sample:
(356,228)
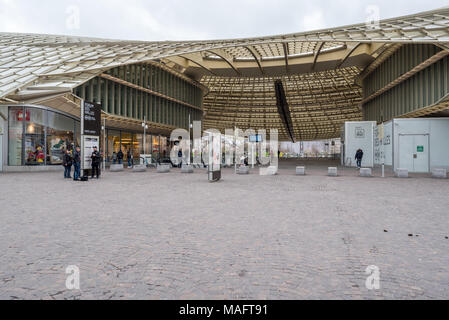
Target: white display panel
(89,142)
(359,135)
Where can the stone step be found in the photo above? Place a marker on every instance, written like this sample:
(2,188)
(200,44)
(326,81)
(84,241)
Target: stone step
(243,170)
(117,168)
(187,169)
(332,171)
(163,168)
(366,172)
(402,173)
(439,173)
(140,168)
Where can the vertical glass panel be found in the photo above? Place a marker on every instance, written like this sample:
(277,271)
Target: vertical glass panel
(137,146)
(60,137)
(156,148)
(164,152)
(15,136)
(127,141)
(148,144)
(77,134)
(35,136)
(113,142)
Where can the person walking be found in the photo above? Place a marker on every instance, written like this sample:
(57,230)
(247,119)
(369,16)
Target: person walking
(114,157)
(179,157)
(96,161)
(129,157)
(359,158)
(120,156)
(77,164)
(67,163)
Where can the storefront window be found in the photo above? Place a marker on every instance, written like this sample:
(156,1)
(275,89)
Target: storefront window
(156,148)
(148,145)
(16,118)
(60,137)
(113,143)
(77,134)
(127,141)
(137,146)
(164,148)
(34,136)
(39,136)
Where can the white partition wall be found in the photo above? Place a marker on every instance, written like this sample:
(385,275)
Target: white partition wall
(359,135)
(421,145)
(383,144)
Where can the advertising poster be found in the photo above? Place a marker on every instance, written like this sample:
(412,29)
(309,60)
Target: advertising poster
(89,143)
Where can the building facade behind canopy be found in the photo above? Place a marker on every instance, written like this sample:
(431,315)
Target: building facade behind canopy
(306,85)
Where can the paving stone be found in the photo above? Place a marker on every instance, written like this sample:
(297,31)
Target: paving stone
(153,236)
(243,170)
(332,172)
(187,169)
(117,168)
(439,173)
(164,168)
(402,173)
(366,172)
(140,168)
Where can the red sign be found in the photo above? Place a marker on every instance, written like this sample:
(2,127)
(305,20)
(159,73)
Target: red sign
(20,116)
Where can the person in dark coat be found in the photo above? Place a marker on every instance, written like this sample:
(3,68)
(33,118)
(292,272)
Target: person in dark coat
(96,161)
(67,163)
(129,157)
(120,156)
(359,158)
(77,164)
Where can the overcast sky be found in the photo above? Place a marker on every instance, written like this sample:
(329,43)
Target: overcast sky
(194,19)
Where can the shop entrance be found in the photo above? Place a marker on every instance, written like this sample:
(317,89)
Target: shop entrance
(414,153)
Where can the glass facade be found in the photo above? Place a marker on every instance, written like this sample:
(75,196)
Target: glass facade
(39,136)
(124,140)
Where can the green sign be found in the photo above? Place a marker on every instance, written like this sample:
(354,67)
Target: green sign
(420,148)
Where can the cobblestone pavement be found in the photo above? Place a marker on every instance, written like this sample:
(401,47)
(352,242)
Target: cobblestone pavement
(174,236)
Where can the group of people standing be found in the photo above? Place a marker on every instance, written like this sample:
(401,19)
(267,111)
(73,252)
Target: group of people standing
(74,160)
(117,157)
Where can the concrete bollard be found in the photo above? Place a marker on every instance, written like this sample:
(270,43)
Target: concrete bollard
(140,168)
(187,169)
(270,171)
(243,170)
(117,168)
(332,172)
(163,168)
(300,171)
(366,172)
(439,173)
(402,173)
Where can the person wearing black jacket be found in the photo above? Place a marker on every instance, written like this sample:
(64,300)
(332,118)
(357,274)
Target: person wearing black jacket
(96,161)
(77,164)
(67,163)
(359,158)
(120,157)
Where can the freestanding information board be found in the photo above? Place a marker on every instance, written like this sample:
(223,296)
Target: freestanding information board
(90,132)
(214,167)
